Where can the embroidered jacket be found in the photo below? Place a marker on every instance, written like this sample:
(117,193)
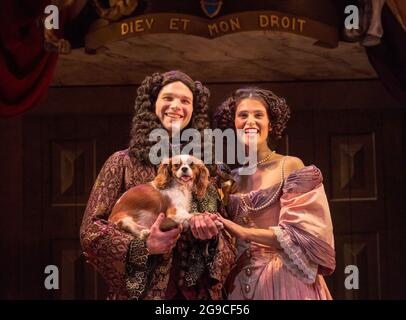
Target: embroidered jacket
(194,270)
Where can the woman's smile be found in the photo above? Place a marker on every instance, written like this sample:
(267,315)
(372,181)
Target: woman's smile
(251,131)
(252,118)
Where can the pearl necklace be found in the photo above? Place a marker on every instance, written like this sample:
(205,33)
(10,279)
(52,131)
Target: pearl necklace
(270,201)
(267,158)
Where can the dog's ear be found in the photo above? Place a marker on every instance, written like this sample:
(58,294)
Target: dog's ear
(163,177)
(202,181)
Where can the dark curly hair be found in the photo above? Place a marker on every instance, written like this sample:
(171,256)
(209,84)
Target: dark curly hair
(145,119)
(277,109)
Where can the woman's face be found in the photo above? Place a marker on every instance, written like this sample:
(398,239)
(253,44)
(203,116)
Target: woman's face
(174,105)
(251,116)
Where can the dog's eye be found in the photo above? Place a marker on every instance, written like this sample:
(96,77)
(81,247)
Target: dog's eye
(191,164)
(176,165)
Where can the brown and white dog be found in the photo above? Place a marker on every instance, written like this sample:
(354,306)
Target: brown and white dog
(170,192)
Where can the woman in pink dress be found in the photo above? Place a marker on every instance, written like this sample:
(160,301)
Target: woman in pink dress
(279,214)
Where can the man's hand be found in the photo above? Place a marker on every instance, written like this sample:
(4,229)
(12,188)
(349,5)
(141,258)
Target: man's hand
(159,242)
(203,226)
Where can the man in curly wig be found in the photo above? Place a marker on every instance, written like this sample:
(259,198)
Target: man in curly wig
(167,265)
(279,214)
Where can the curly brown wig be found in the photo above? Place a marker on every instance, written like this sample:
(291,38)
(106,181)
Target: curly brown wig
(277,109)
(145,120)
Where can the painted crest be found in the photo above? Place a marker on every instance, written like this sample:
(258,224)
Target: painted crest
(211,7)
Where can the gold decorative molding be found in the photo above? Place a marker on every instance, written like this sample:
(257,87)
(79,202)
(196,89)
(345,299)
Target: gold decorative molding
(103,32)
(116,10)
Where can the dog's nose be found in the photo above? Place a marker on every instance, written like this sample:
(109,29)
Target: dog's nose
(184,169)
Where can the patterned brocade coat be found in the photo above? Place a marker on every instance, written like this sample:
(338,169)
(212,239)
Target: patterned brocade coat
(195,269)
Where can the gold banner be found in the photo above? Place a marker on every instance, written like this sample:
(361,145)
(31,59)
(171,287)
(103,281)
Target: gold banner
(324,34)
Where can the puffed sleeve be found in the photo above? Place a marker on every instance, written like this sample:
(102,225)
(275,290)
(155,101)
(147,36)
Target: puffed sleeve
(305,230)
(104,245)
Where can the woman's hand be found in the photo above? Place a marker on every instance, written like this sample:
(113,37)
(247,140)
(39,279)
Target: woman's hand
(203,226)
(159,242)
(235,229)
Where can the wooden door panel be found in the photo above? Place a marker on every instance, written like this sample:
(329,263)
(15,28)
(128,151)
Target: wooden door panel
(361,250)
(65,155)
(348,151)
(78,279)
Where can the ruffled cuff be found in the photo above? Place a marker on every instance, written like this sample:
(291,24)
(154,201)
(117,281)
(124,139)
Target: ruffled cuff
(295,259)
(137,270)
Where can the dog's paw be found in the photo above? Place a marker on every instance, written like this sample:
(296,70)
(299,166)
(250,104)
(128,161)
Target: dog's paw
(182,218)
(168,224)
(144,234)
(185,225)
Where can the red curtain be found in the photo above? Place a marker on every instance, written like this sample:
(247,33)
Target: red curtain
(26,69)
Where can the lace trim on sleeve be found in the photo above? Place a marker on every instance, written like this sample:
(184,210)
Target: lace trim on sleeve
(294,258)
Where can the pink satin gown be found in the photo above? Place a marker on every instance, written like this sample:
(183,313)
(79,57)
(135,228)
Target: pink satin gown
(301,219)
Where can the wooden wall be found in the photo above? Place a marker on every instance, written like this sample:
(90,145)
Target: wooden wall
(353,130)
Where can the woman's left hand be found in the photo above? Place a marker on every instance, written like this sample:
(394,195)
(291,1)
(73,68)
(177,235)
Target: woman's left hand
(234,228)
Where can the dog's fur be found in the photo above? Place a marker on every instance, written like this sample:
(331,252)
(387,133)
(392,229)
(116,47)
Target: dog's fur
(170,192)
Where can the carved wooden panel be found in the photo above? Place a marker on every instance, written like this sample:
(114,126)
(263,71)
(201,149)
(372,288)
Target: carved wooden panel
(362,251)
(353,167)
(73,171)
(74,150)
(77,279)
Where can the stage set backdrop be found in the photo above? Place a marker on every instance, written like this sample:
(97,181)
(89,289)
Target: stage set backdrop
(66,98)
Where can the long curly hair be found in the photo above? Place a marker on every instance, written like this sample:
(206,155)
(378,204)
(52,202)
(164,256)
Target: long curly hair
(277,109)
(145,120)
